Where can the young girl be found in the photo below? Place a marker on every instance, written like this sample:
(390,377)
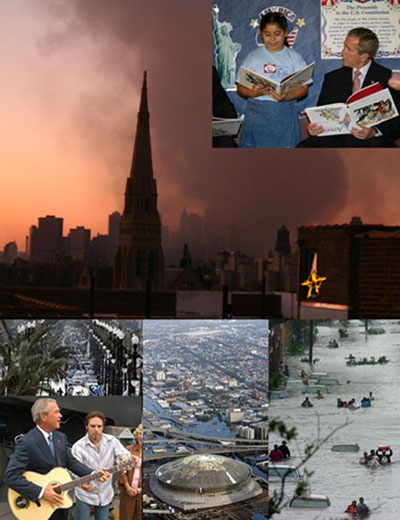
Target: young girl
(271,119)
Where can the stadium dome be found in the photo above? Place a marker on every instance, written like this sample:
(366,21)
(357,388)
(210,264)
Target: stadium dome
(203,481)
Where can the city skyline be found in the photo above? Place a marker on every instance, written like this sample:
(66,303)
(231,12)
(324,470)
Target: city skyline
(70,105)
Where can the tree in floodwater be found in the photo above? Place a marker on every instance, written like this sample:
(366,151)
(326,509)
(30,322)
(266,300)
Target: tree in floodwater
(277,500)
(32,356)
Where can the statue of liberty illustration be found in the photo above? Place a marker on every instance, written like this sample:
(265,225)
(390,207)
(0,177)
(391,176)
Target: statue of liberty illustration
(225,50)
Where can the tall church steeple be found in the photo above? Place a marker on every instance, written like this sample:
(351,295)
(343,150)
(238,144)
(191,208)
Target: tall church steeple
(140,257)
(141,161)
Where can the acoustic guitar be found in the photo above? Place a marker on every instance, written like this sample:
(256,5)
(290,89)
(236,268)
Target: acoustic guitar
(23,508)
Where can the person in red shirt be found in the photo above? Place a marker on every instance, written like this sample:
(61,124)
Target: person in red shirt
(275,455)
(352,508)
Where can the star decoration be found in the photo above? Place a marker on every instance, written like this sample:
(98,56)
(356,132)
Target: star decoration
(313,283)
(301,22)
(254,23)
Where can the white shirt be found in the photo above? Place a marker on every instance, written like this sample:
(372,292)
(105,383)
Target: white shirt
(363,72)
(110,453)
(45,434)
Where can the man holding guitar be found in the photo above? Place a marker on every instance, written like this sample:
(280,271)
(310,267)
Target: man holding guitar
(40,450)
(97,449)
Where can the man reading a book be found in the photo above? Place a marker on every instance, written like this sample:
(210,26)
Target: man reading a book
(359,70)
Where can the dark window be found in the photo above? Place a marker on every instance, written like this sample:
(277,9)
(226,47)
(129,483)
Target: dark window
(150,266)
(138,263)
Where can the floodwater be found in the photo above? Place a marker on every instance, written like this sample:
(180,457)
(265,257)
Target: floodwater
(340,475)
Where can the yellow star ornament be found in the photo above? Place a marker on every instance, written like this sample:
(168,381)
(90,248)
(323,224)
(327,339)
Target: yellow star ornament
(301,22)
(313,283)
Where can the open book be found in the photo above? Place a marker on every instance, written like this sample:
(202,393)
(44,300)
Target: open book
(368,107)
(224,126)
(248,79)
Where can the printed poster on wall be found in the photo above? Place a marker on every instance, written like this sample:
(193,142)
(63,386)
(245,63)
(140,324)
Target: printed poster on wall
(339,16)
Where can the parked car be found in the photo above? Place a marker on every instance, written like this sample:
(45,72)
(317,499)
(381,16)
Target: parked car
(310,501)
(327,381)
(346,448)
(314,389)
(316,375)
(279,394)
(375,327)
(292,385)
(276,472)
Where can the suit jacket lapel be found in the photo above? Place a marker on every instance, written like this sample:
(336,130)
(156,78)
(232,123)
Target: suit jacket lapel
(346,86)
(370,76)
(57,447)
(43,445)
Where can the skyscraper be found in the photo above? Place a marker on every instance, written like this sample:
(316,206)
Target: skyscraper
(113,230)
(79,242)
(10,252)
(139,256)
(46,239)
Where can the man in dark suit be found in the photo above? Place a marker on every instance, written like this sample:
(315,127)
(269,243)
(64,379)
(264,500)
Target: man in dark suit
(222,107)
(358,71)
(34,452)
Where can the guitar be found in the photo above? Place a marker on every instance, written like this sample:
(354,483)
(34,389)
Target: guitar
(23,508)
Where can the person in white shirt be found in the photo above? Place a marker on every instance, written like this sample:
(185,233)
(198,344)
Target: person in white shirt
(96,449)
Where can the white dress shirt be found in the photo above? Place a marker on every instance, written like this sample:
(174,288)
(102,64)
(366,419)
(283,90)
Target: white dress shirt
(111,452)
(363,73)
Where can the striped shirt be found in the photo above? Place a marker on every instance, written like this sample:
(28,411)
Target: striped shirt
(110,453)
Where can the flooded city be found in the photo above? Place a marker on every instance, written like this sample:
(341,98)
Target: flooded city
(205,419)
(362,363)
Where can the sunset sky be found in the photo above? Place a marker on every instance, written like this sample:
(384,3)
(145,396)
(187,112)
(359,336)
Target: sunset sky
(70,85)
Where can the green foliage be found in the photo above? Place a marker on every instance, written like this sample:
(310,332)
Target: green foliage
(30,359)
(295,349)
(276,499)
(309,449)
(276,380)
(280,426)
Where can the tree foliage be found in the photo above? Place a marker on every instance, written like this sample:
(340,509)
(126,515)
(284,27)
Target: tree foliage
(276,501)
(31,359)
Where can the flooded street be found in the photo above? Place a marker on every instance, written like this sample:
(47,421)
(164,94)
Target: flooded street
(340,476)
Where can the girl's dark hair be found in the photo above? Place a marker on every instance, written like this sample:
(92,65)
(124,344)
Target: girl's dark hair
(277,18)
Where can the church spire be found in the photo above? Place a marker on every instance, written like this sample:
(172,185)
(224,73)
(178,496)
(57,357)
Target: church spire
(140,258)
(141,161)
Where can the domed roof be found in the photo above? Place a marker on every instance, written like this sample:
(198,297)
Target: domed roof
(204,473)
(203,481)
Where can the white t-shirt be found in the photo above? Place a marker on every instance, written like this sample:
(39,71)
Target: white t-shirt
(275,65)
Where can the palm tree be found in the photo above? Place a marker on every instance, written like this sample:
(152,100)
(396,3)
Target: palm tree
(30,358)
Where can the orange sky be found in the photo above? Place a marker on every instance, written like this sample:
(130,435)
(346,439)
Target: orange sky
(48,167)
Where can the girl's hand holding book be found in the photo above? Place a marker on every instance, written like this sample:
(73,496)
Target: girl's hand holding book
(259,91)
